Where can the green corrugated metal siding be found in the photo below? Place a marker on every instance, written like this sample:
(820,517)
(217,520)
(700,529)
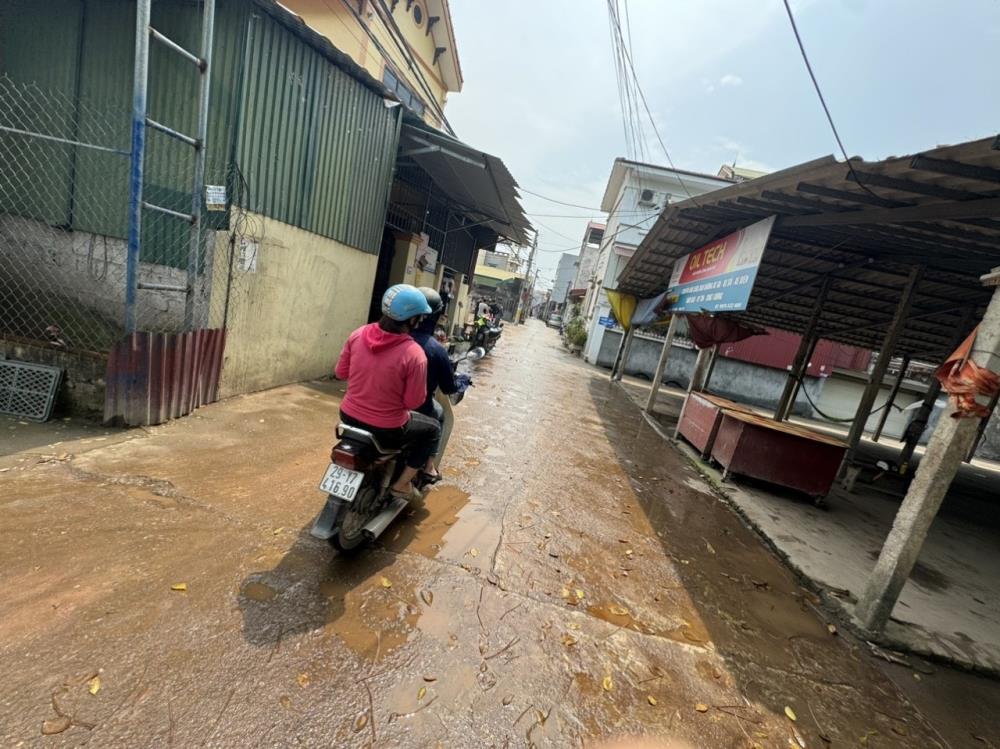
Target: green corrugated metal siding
(316,147)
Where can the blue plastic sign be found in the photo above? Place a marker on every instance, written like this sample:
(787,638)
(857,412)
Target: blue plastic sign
(607,322)
(719,276)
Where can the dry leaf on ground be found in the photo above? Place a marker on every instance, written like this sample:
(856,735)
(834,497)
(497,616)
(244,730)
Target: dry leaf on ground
(651,700)
(701,707)
(421,693)
(568,640)
(385,582)
(182,587)
(607,684)
(94,685)
(790,713)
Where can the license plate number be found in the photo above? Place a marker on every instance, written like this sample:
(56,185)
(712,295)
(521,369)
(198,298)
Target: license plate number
(341,482)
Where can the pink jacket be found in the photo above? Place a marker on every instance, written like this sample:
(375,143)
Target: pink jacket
(386,376)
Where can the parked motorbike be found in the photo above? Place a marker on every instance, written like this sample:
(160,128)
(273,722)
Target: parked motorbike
(359,506)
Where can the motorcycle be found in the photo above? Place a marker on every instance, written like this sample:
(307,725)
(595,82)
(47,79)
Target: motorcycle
(359,506)
(485,333)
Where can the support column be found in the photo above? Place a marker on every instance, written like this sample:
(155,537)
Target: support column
(917,425)
(623,351)
(949,444)
(878,373)
(801,361)
(661,365)
(697,383)
(892,397)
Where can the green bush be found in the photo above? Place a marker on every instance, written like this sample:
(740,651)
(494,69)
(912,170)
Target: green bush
(576,334)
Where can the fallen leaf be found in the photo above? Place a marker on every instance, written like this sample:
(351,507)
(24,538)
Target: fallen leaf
(628,552)
(508,698)
(709,546)
(701,707)
(182,587)
(619,610)
(568,640)
(798,737)
(607,684)
(579,594)
(565,593)
(56,725)
(548,535)
(917,677)
(831,628)
(421,693)
(427,596)
(94,685)
(474,552)
(361,721)
(790,713)
(651,700)
(303,680)
(385,582)
(276,531)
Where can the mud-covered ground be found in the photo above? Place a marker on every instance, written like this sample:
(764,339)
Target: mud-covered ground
(572,579)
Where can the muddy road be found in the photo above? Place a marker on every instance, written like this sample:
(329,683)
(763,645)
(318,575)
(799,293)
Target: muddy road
(571,579)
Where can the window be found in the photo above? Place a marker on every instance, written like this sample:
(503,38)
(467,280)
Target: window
(418,15)
(409,99)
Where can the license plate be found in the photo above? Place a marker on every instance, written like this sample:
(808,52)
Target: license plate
(341,482)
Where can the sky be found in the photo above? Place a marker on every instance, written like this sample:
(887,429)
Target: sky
(725,82)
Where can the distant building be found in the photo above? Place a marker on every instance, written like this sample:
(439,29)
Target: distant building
(589,249)
(565,273)
(635,196)
(738,173)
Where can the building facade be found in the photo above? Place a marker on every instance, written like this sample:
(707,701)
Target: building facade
(566,272)
(635,195)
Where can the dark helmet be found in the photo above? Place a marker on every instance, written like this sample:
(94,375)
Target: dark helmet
(434,300)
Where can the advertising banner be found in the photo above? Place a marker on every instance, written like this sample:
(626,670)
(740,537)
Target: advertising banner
(719,276)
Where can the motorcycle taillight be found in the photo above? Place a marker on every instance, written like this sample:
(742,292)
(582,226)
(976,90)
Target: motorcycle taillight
(345,455)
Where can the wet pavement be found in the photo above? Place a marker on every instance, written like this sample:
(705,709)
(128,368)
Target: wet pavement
(573,578)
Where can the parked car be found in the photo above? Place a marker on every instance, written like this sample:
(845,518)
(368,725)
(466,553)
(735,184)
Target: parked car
(554,321)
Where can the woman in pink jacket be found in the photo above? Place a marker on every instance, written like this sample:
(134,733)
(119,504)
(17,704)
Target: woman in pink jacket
(386,373)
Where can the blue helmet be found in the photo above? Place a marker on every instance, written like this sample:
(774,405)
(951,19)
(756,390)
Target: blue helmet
(402,302)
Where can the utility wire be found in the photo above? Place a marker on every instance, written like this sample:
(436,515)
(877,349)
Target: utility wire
(649,114)
(822,100)
(608,236)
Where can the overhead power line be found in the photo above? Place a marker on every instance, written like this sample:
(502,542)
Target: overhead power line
(822,100)
(642,97)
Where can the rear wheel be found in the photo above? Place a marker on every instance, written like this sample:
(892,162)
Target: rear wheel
(349,536)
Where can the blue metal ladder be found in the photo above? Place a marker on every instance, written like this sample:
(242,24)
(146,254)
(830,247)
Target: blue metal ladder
(140,121)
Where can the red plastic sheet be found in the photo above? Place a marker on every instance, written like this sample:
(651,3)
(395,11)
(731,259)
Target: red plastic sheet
(964,380)
(707,330)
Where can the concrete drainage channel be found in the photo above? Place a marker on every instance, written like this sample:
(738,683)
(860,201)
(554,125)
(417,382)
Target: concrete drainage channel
(831,607)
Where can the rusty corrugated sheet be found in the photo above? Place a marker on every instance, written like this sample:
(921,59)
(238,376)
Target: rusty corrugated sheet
(778,348)
(155,377)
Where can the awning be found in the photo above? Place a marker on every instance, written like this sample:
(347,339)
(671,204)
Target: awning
(476,182)
(865,228)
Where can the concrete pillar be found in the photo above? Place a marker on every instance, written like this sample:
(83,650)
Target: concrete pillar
(661,365)
(699,376)
(878,373)
(983,423)
(801,361)
(710,368)
(887,409)
(624,349)
(949,444)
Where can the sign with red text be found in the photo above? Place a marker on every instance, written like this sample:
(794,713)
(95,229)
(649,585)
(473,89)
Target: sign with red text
(719,276)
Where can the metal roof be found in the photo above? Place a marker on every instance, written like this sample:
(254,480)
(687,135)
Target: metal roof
(866,229)
(476,182)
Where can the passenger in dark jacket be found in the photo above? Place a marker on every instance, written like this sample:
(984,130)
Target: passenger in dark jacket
(440,374)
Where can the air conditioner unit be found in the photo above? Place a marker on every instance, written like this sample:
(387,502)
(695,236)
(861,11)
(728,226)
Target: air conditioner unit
(647,197)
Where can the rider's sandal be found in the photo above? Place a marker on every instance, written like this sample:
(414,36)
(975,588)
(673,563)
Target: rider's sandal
(429,480)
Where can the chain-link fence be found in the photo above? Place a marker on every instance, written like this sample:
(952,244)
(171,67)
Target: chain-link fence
(64,194)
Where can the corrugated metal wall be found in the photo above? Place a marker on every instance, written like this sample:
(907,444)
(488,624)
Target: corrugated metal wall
(316,147)
(779,347)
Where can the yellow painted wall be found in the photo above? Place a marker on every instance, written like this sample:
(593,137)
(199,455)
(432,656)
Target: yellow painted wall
(334,20)
(289,319)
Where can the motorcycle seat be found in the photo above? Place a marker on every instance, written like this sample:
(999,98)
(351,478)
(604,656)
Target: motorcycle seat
(365,437)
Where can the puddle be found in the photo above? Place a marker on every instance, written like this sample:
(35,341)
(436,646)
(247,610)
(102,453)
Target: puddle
(258,592)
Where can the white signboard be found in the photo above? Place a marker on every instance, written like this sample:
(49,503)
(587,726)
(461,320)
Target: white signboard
(247,259)
(215,197)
